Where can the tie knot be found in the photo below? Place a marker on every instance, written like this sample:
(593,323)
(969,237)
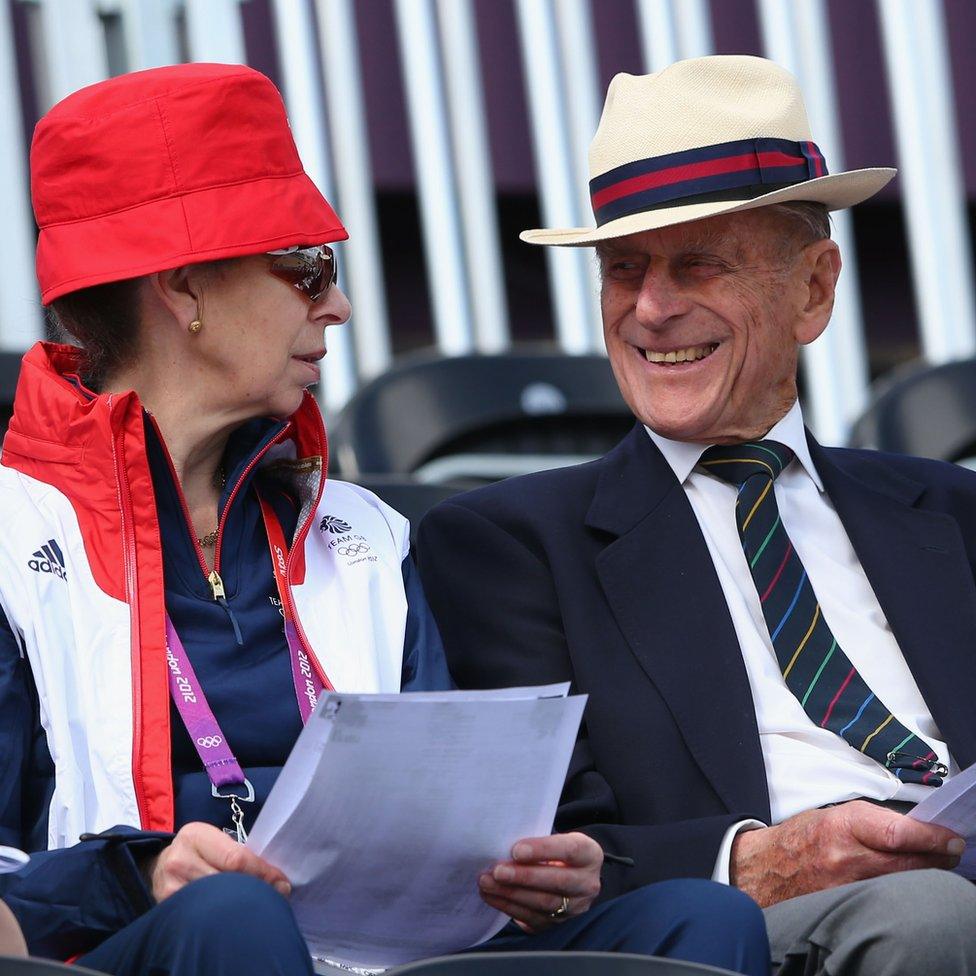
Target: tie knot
(736,463)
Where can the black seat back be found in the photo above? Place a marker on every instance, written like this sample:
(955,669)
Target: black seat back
(15,966)
(554,964)
(520,411)
(928,411)
(9,371)
(410,498)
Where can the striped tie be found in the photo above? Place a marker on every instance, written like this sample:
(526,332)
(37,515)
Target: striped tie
(816,670)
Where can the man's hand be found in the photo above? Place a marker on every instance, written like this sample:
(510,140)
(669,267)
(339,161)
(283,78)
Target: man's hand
(200,849)
(543,870)
(824,848)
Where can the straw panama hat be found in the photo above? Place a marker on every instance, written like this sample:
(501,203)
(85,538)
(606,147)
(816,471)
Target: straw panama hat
(703,137)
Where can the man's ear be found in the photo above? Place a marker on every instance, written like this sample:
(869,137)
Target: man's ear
(178,292)
(821,264)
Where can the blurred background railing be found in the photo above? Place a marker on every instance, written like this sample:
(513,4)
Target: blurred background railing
(440,128)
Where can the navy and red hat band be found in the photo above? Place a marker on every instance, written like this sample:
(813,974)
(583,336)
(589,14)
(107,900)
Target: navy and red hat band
(747,166)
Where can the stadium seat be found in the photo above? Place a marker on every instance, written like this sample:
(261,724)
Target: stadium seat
(470,419)
(409,497)
(553,964)
(10,966)
(928,411)
(9,371)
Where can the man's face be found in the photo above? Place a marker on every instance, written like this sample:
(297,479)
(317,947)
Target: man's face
(702,323)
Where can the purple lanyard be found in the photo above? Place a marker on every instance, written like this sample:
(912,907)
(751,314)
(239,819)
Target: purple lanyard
(227,779)
(210,742)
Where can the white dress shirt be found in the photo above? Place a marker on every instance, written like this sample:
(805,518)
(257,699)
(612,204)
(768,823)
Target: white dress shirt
(806,766)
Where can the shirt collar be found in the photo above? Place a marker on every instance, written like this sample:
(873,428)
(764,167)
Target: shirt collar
(683,456)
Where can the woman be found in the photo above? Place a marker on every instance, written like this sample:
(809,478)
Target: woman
(178,578)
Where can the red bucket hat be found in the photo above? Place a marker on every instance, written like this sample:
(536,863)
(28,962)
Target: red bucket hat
(167,167)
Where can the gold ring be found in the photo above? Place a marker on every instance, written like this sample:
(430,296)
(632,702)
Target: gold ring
(562,910)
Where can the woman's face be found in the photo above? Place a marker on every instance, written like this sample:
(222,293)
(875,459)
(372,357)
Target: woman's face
(262,339)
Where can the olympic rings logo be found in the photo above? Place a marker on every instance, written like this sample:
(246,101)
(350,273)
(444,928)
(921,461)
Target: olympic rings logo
(210,741)
(355,549)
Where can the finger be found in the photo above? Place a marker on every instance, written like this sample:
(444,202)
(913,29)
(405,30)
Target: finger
(573,882)
(175,868)
(890,832)
(893,863)
(543,902)
(224,854)
(525,917)
(247,862)
(575,849)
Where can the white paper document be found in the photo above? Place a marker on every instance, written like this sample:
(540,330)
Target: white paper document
(953,805)
(11,859)
(390,806)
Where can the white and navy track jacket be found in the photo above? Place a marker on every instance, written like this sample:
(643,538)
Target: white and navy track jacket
(82,589)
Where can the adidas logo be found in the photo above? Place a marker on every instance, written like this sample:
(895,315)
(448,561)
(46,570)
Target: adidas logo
(49,559)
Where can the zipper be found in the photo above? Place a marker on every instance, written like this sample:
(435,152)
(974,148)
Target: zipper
(216,583)
(217,589)
(132,596)
(179,492)
(298,541)
(213,576)
(230,501)
(300,630)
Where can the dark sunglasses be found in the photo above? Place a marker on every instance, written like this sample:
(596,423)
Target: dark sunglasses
(312,270)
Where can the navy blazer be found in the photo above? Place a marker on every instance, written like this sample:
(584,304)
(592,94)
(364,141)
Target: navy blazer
(599,574)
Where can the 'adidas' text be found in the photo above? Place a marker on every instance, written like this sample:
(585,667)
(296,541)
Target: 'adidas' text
(49,559)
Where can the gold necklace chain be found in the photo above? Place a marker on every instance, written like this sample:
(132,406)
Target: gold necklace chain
(210,539)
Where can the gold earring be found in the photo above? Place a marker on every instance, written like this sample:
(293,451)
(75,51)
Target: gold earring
(195,326)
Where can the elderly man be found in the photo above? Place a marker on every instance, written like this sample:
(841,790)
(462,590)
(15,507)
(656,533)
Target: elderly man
(775,636)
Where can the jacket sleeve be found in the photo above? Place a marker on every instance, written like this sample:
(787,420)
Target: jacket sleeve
(66,901)
(497,607)
(15,736)
(424,664)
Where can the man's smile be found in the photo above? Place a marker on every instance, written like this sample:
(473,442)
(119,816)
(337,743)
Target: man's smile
(688,354)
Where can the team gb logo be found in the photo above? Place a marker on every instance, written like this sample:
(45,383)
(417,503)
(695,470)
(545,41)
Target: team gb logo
(335,525)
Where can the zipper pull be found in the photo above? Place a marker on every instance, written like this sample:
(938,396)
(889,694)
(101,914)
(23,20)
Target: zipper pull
(217,588)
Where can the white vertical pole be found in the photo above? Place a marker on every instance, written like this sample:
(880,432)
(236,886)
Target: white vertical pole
(150,32)
(580,81)
(362,256)
(72,48)
(569,268)
(694,28)
(214,31)
(933,194)
(672,30)
(479,221)
(796,35)
(20,316)
(443,240)
(306,112)
(659,33)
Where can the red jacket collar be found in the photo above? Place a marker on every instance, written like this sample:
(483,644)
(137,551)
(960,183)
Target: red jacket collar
(52,409)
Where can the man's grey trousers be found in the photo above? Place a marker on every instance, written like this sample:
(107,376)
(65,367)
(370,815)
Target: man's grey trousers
(915,923)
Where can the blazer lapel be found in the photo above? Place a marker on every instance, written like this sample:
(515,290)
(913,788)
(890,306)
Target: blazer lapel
(918,567)
(665,595)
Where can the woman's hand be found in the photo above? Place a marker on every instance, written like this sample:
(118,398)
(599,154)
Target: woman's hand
(200,849)
(544,870)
